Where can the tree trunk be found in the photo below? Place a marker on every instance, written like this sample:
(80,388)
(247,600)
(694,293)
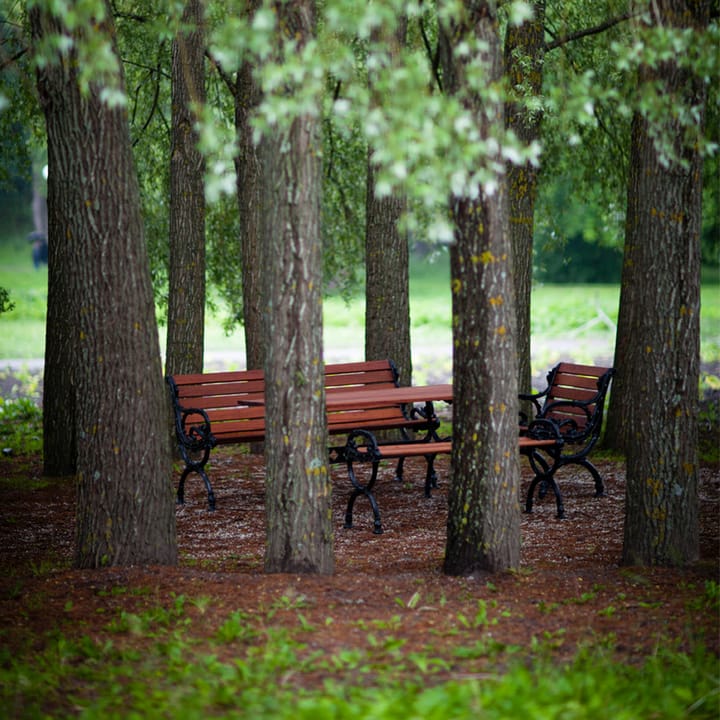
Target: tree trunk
(59,391)
(387,293)
(483,512)
(186,302)
(387,282)
(653,407)
(249,194)
(125,509)
(524,57)
(298,487)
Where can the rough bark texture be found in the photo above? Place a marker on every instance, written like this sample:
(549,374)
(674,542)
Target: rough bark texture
(653,409)
(483,510)
(249,194)
(298,495)
(387,294)
(186,302)
(387,282)
(125,509)
(524,56)
(59,411)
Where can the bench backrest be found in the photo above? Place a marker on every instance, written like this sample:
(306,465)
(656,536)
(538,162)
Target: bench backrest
(575,398)
(220,396)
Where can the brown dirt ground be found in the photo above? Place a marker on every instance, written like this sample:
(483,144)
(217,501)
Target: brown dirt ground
(568,592)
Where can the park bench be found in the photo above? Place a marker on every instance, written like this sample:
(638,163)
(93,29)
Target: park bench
(224,408)
(362,447)
(573,402)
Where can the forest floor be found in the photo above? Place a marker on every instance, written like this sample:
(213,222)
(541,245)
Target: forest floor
(569,592)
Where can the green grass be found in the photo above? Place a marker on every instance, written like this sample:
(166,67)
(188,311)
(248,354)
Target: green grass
(165,661)
(584,315)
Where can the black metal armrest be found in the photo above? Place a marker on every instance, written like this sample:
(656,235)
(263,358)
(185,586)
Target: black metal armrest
(198,436)
(544,429)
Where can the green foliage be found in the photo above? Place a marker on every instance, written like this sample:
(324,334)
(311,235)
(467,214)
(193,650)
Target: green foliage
(6,305)
(151,663)
(20,426)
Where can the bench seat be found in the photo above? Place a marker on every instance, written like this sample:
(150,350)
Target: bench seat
(573,402)
(225,408)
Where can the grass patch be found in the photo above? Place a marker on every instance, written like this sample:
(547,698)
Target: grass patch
(20,426)
(153,664)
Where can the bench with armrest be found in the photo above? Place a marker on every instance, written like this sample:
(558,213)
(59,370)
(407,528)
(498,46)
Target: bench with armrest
(223,408)
(573,402)
(362,447)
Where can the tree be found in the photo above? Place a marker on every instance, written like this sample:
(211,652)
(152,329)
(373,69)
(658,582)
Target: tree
(297,499)
(653,414)
(483,512)
(186,297)
(249,173)
(524,57)
(110,351)
(387,280)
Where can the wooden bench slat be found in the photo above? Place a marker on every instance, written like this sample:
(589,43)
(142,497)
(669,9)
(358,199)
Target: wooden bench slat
(234,411)
(574,400)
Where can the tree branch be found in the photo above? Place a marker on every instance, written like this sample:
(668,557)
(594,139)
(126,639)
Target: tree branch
(579,34)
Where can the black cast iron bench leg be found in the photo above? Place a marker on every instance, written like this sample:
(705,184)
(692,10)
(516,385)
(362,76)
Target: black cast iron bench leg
(365,490)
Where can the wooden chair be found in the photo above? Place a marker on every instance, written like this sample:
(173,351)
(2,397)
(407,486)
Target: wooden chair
(573,402)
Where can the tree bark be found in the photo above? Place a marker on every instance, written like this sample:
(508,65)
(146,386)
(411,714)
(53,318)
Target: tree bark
(250,193)
(483,512)
(125,509)
(524,57)
(387,279)
(186,301)
(298,487)
(653,407)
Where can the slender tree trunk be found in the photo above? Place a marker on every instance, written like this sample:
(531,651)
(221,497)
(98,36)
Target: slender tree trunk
(298,487)
(250,193)
(186,302)
(59,391)
(524,57)
(653,407)
(387,280)
(387,293)
(125,509)
(483,512)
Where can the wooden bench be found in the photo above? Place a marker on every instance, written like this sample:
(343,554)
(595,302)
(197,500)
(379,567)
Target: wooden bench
(573,402)
(362,447)
(222,408)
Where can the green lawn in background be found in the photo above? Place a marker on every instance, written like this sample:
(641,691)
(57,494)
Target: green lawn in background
(582,315)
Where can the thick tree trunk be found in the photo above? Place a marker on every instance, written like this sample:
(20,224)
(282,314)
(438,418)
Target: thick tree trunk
(125,509)
(653,407)
(298,487)
(524,57)
(186,302)
(483,512)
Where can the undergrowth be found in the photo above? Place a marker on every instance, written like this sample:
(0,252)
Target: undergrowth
(152,664)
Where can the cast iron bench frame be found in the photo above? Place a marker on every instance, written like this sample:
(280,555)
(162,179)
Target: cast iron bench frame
(221,408)
(573,401)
